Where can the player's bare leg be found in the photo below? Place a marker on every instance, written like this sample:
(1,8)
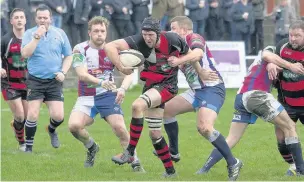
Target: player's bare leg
(149,99)
(292,142)
(77,123)
(177,105)
(19,109)
(285,153)
(205,122)
(237,130)
(117,123)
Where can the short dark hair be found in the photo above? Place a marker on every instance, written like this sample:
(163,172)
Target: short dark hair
(43,7)
(297,24)
(16,10)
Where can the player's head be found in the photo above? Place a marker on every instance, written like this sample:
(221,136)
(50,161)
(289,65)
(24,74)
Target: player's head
(43,16)
(97,29)
(150,30)
(17,19)
(296,34)
(181,25)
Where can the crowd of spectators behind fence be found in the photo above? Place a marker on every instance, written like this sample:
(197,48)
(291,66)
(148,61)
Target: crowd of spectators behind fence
(216,20)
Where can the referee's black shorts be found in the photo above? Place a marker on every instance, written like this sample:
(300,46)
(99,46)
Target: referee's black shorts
(46,89)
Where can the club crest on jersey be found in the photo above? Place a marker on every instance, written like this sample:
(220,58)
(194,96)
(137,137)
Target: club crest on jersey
(165,67)
(106,59)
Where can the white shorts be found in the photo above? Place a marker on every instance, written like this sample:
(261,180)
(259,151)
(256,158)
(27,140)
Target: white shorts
(262,104)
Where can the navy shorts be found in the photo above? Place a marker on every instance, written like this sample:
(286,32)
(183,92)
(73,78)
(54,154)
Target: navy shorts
(209,97)
(104,104)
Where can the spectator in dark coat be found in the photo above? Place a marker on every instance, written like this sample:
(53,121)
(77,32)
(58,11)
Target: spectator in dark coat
(198,13)
(257,38)
(77,20)
(226,6)
(121,17)
(140,12)
(58,7)
(215,28)
(242,16)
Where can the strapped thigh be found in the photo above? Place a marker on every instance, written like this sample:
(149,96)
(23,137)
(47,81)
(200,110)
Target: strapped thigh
(146,98)
(154,123)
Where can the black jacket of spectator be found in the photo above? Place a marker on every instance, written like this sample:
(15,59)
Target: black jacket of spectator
(226,6)
(195,12)
(82,10)
(140,9)
(53,4)
(117,6)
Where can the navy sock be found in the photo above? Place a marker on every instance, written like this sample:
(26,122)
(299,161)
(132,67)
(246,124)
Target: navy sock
(172,132)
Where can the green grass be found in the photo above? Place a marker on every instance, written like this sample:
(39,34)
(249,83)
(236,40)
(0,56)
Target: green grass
(257,149)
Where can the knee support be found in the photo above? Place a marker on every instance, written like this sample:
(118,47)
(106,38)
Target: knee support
(154,123)
(213,136)
(147,99)
(170,120)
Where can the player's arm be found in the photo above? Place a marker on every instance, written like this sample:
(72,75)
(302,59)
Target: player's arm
(3,71)
(81,69)
(121,91)
(112,51)
(277,60)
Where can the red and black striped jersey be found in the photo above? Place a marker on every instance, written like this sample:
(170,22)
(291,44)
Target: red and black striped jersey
(13,63)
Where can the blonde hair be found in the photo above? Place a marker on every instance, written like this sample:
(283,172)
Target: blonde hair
(183,22)
(98,20)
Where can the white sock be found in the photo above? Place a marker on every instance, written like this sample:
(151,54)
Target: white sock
(292,166)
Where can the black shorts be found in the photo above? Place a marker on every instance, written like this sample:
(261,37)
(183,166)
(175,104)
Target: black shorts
(166,91)
(12,94)
(46,89)
(295,113)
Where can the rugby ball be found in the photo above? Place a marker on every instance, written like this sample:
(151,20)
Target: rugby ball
(131,58)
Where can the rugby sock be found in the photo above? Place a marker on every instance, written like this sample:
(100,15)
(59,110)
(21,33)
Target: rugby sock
(53,125)
(19,131)
(162,151)
(30,130)
(219,142)
(285,153)
(214,158)
(294,147)
(89,144)
(171,128)
(136,128)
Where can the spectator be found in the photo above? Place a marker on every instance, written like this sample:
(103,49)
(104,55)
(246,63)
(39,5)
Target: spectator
(226,6)
(121,17)
(58,7)
(76,18)
(257,38)
(215,29)
(4,17)
(284,15)
(159,11)
(198,13)
(140,12)
(242,17)
(176,8)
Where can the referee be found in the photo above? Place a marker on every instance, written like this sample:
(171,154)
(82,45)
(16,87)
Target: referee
(44,46)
